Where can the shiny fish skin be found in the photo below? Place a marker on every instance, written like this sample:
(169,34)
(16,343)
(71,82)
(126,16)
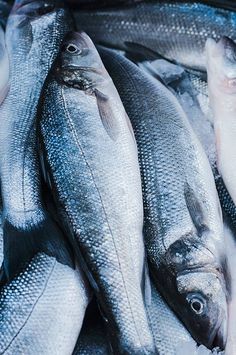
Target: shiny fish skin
(33,36)
(92,159)
(183,228)
(42,309)
(169,333)
(176,31)
(192,93)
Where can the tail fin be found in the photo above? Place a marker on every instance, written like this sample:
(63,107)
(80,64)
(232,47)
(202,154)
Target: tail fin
(20,246)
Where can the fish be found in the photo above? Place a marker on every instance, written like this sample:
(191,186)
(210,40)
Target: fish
(170,336)
(91,160)
(183,228)
(221,76)
(42,308)
(34,33)
(191,90)
(173,30)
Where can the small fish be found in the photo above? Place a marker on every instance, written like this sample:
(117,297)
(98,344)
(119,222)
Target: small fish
(34,33)
(92,164)
(176,30)
(183,228)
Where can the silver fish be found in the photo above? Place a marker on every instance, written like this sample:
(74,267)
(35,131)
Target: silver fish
(221,70)
(175,30)
(170,336)
(191,90)
(33,36)
(42,309)
(183,227)
(92,162)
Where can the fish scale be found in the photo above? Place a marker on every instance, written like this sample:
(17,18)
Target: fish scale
(42,309)
(33,36)
(91,156)
(174,30)
(183,228)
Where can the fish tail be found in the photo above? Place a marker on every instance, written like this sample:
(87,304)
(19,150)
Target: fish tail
(20,245)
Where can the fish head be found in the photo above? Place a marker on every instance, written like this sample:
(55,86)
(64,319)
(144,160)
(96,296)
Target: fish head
(79,63)
(195,281)
(221,65)
(201,302)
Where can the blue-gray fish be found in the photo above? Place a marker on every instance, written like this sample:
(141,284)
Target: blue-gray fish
(221,74)
(176,30)
(183,227)
(33,36)
(42,309)
(92,163)
(191,91)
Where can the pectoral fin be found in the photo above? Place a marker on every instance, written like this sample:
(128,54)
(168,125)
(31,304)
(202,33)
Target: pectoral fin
(196,209)
(107,115)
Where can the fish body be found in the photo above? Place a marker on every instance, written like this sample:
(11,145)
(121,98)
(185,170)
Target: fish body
(171,29)
(91,158)
(33,36)
(183,228)
(42,309)
(221,69)
(192,93)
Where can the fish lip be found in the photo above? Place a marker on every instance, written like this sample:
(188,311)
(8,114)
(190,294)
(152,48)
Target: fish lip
(220,338)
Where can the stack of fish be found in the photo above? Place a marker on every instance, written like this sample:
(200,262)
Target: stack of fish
(117,177)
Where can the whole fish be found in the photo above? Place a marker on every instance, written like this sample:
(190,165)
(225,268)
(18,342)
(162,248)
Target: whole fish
(92,163)
(221,73)
(33,36)
(183,228)
(42,309)
(175,30)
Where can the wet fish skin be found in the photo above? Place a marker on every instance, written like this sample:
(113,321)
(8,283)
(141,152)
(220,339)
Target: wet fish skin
(169,333)
(188,256)
(221,69)
(42,309)
(196,106)
(92,161)
(175,30)
(33,36)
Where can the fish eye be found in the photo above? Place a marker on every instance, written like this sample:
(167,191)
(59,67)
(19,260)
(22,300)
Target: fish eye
(72,48)
(197,304)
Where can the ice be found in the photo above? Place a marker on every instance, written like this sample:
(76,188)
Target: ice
(167,71)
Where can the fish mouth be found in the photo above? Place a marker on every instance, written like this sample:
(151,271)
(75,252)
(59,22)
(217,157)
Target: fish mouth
(219,341)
